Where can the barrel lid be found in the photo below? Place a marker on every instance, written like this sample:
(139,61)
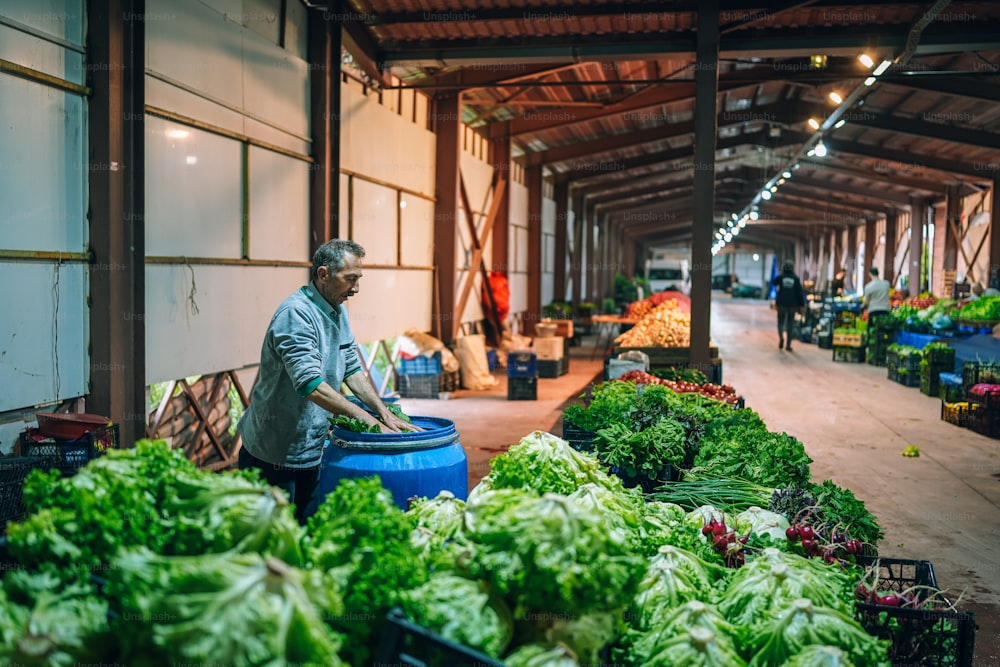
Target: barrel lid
(437,431)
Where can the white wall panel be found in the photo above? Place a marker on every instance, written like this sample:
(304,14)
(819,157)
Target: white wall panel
(374,221)
(548,216)
(518,292)
(193,192)
(62,19)
(194,44)
(43,334)
(24,49)
(521,244)
(164,95)
(477,175)
(390,302)
(518,204)
(225,328)
(381,144)
(548,288)
(417,231)
(279,206)
(42,168)
(276,84)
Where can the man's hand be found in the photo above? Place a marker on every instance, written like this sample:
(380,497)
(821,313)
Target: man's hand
(397,425)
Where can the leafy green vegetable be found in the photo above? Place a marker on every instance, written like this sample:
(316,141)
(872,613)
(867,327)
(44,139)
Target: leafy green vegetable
(664,523)
(761,522)
(820,656)
(438,520)
(674,577)
(353,424)
(546,554)
(801,624)
(57,628)
(751,452)
(242,609)
(643,453)
(610,402)
(543,463)
(463,611)
(398,411)
(150,496)
(692,634)
(361,537)
(841,509)
(769,583)
(540,655)
(729,494)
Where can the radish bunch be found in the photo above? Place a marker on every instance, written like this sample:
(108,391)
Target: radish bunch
(726,542)
(840,545)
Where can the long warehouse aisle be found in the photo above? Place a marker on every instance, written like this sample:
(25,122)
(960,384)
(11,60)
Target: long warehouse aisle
(854,422)
(943,506)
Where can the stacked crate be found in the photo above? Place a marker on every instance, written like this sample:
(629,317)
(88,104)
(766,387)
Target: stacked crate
(903,365)
(881,334)
(522,376)
(936,360)
(551,354)
(848,346)
(419,377)
(984,409)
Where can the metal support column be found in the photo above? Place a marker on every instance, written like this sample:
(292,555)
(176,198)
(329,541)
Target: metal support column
(918,219)
(586,274)
(533,179)
(889,257)
(705,135)
(852,253)
(871,232)
(994,271)
(953,220)
(324,40)
(116,54)
(576,259)
(561,194)
(448,129)
(500,159)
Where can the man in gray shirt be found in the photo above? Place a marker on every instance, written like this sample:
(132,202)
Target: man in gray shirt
(877,297)
(307,354)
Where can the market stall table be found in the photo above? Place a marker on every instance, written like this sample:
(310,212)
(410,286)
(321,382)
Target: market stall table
(607,330)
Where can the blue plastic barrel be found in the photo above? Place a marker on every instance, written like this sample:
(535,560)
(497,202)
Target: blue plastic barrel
(418,464)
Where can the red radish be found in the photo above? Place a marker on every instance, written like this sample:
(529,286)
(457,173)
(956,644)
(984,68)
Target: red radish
(890,600)
(807,533)
(810,545)
(792,533)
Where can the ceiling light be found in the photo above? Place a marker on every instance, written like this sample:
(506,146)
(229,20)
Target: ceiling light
(736,231)
(796,166)
(883,66)
(813,123)
(735,217)
(817,62)
(743,222)
(840,123)
(754,215)
(835,97)
(820,149)
(786,174)
(781,181)
(756,257)
(774,188)
(766,194)
(866,60)
(869,81)
(729,237)
(811,153)
(718,235)
(729,223)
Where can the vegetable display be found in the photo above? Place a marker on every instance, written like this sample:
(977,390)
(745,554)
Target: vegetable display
(724,393)
(983,309)
(664,326)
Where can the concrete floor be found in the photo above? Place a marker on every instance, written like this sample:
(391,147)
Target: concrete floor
(941,507)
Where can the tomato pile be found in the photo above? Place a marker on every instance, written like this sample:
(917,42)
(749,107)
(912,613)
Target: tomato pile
(920,302)
(724,393)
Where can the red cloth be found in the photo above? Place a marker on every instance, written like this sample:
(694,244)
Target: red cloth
(501,295)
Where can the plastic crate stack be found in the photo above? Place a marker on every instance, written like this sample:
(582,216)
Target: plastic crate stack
(984,409)
(849,344)
(68,456)
(880,336)
(578,439)
(903,365)
(13,471)
(937,359)
(522,376)
(419,377)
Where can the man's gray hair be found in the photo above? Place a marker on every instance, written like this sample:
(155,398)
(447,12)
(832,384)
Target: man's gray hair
(331,254)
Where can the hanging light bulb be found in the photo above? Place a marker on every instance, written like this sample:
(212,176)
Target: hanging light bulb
(766,194)
(754,215)
(813,123)
(821,149)
(835,97)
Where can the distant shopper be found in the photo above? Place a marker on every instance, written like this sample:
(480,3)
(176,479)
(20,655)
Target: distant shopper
(789,299)
(877,297)
(837,284)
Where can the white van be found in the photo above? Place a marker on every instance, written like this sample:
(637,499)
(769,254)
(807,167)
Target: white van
(668,271)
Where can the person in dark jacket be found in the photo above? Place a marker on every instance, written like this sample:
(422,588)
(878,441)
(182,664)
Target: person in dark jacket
(789,299)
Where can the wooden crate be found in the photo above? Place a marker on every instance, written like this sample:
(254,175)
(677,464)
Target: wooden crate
(848,339)
(664,356)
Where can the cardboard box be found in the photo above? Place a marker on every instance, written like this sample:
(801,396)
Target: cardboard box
(549,349)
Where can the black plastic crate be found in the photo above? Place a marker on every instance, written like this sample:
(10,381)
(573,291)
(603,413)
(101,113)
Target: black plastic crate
(551,368)
(988,398)
(852,355)
(984,421)
(577,438)
(919,637)
(70,455)
(449,381)
(13,471)
(522,389)
(980,372)
(418,386)
(911,362)
(906,379)
(941,358)
(406,644)
(825,341)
